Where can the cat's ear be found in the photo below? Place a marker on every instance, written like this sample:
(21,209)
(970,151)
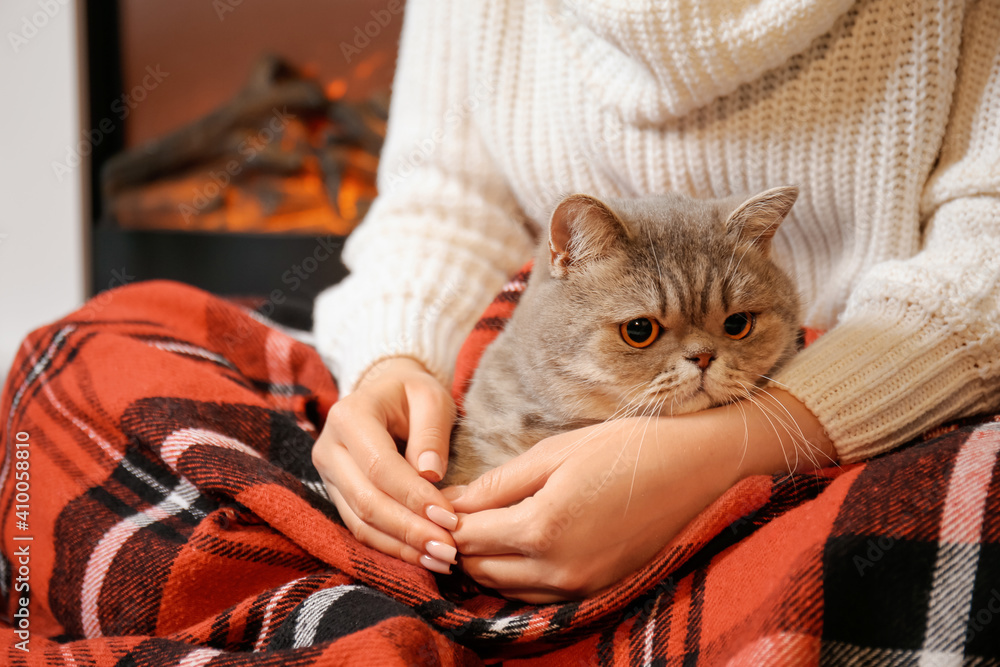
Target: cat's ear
(757,219)
(582,229)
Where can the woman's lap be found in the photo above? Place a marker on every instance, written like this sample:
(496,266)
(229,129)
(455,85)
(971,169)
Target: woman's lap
(172,507)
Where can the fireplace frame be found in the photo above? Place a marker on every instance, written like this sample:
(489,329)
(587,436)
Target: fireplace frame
(274,266)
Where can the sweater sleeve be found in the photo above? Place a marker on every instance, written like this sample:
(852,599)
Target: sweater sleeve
(444,233)
(919,341)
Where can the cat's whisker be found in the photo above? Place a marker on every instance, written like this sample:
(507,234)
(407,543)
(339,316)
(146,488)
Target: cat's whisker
(798,434)
(801,446)
(623,412)
(635,467)
(746,431)
(563,364)
(634,406)
(569,451)
(771,379)
(654,414)
(607,477)
(809,450)
(772,417)
(659,406)
(768,413)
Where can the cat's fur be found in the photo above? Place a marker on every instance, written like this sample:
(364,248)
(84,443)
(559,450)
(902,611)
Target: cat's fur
(562,361)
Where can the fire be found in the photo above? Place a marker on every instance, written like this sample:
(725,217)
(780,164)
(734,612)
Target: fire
(370,65)
(312,172)
(336,89)
(352,190)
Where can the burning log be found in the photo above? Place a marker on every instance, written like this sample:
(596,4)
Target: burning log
(280,156)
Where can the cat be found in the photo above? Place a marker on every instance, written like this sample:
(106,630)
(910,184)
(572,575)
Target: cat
(656,305)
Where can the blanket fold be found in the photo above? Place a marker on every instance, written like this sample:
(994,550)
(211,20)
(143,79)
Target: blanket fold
(160,507)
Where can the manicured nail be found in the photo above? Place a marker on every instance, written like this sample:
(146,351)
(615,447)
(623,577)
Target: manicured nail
(442,517)
(429,464)
(435,565)
(441,551)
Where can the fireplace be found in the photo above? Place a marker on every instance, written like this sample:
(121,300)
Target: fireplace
(234,143)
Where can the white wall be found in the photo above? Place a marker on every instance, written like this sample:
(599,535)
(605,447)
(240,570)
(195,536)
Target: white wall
(42,233)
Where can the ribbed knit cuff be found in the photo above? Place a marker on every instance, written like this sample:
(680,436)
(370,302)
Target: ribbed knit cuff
(884,377)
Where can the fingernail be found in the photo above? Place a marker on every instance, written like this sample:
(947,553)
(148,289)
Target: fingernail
(435,565)
(430,462)
(443,552)
(442,517)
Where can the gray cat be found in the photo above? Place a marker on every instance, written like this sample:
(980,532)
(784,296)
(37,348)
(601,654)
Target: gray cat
(660,305)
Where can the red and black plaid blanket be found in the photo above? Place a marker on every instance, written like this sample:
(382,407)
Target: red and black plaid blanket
(160,508)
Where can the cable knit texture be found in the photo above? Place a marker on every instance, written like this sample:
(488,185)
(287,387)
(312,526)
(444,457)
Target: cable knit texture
(883,112)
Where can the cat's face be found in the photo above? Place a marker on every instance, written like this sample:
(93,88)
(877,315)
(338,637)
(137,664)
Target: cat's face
(665,305)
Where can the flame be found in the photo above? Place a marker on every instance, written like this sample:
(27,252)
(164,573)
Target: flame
(369,65)
(271,198)
(350,191)
(336,89)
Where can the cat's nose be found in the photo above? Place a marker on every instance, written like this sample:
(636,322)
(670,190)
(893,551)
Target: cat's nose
(702,360)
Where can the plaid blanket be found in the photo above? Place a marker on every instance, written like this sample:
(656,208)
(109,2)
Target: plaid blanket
(160,508)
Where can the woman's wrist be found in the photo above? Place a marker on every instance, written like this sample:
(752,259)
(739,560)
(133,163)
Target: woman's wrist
(783,435)
(772,433)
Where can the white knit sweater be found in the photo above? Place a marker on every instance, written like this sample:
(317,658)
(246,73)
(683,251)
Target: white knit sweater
(886,113)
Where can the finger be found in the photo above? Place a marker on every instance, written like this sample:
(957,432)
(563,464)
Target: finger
(524,577)
(375,454)
(509,530)
(512,482)
(453,492)
(377,509)
(370,536)
(431,416)
(387,544)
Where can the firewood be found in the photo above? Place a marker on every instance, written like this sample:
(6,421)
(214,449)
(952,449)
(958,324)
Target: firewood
(236,169)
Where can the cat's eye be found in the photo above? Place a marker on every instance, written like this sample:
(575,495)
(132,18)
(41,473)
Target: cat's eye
(739,325)
(640,332)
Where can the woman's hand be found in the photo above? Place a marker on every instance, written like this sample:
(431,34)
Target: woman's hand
(387,500)
(583,509)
